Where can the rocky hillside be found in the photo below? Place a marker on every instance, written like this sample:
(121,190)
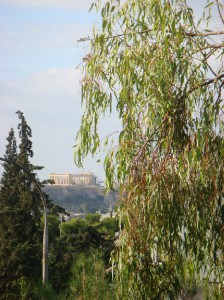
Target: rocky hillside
(81,198)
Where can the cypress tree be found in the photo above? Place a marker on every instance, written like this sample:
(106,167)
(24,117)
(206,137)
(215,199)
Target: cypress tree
(10,170)
(20,211)
(29,197)
(10,215)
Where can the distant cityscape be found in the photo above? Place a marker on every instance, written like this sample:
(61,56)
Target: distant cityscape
(87,178)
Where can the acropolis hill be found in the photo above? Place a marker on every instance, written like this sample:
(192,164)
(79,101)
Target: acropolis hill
(80,197)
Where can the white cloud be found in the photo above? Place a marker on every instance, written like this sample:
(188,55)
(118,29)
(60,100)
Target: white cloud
(58,84)
(51,88)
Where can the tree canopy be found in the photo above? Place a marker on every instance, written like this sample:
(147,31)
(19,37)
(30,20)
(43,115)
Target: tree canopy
(20,211)
(162,71)
(21,208)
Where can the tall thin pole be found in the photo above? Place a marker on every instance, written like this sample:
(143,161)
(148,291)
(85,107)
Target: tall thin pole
(45,234)
(45,246)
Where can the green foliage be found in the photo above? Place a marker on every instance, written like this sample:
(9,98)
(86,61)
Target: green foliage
(73,226)
(152,64)
(109,226)
(77,237)
(212,291)
(21,232)
(20,212)
(46,292)
(92,218)
(189,283)
(89,280)
(10,171)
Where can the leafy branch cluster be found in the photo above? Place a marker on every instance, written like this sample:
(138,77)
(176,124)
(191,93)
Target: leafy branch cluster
(155,63)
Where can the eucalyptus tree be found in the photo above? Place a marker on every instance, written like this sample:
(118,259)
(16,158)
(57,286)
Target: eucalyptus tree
(153,64)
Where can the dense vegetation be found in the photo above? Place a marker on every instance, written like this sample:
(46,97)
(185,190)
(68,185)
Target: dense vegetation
(160,70)
(79,249)
(20,211)
(86,243)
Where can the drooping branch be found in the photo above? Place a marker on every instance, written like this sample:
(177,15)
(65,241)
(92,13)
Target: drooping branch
(189,34)
(203,84)
(219,10)
(207,82)
(204,34)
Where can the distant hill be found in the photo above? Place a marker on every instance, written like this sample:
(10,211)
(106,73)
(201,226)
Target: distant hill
(78,198)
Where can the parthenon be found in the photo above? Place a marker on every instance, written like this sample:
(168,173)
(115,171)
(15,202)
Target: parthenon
(73,179)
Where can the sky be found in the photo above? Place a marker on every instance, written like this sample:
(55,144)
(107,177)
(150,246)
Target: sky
(39,56)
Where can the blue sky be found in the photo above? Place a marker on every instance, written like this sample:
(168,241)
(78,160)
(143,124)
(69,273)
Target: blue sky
(39,54)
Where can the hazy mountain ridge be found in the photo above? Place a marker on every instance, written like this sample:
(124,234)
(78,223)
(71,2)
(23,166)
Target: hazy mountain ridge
(79,198)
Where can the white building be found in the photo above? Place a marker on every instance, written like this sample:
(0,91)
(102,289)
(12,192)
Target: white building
(73,179)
